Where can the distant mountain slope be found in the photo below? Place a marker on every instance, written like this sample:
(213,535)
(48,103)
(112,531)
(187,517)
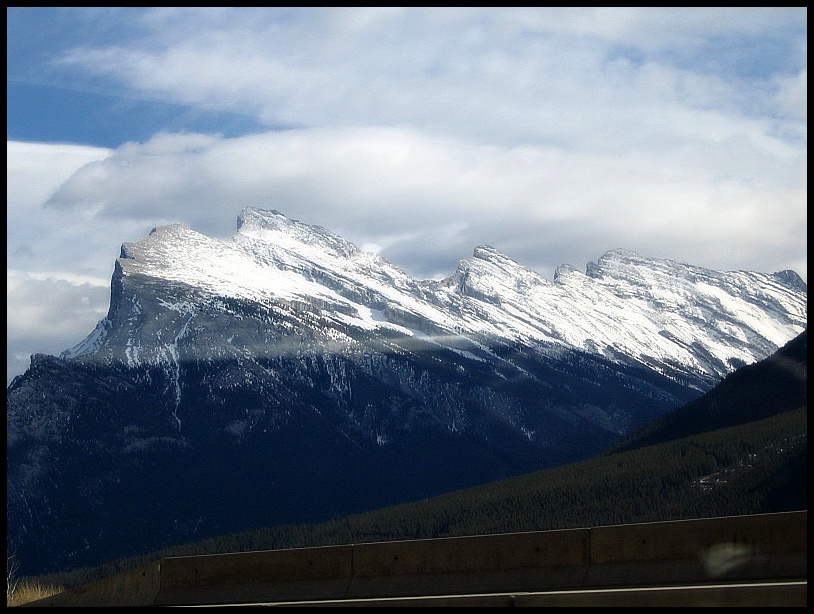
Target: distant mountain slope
(755,468)
(769,387)
(283,376)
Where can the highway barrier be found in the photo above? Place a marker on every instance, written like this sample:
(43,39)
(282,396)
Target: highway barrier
(765,551)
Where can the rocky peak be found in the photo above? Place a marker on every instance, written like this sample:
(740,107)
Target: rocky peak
(275,228)
(663,313)
(791,279)
(492,276)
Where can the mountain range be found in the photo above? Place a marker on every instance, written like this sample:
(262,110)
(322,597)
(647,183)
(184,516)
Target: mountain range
(285,376)
(755,392)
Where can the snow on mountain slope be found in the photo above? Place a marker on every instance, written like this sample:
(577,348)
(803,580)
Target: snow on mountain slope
(666,315)
(243,369)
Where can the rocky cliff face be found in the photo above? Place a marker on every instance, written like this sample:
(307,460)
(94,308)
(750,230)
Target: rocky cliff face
(286,376)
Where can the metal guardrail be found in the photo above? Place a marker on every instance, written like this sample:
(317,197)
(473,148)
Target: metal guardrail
(762,594)
(765,550)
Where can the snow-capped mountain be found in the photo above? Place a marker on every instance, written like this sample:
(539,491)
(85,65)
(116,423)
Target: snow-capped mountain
(284,375)
(666,315)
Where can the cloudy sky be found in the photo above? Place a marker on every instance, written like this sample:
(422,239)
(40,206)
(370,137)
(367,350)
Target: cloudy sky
(552,134)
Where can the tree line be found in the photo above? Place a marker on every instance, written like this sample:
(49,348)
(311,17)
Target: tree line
(759,467)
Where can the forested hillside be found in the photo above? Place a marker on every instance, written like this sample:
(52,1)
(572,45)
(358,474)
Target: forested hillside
(745,453)
(769,387)
(755,468)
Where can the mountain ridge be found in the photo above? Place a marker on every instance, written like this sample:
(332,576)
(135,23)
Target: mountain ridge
(284,375)
(751,393)
(273,256)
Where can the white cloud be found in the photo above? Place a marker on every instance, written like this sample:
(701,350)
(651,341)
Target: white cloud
(48,316)
(581,76)
(58,263)
(391,186)
(423,201)
(35,169)
(553,134)
(792,94)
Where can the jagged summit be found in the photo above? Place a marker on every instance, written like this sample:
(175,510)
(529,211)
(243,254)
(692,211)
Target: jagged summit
(492,276)
(263,218)
(487,252)
(792,280)
(621,264)
(274,227)
(668,315)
